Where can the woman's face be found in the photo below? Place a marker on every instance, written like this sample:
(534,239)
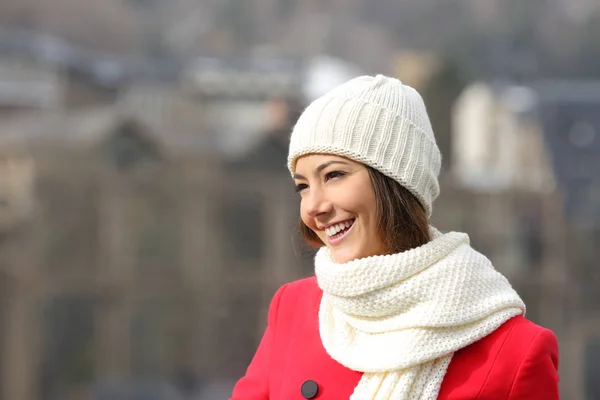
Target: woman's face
(338,204)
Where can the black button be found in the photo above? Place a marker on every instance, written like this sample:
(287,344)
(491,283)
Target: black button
(309,389)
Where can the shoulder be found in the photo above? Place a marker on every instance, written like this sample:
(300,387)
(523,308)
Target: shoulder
(518,339)
(536,374)
(523,329)
(299,294)
(306,285)
(508,363)
(516,330)
(507,344)
(524,338)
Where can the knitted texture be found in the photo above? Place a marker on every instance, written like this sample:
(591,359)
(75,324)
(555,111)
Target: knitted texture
(377,121)
(399,318)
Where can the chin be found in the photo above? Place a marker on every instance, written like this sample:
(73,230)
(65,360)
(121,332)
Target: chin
(343,256)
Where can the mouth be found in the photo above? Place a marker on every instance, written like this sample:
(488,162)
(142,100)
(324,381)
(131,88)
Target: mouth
(337,232)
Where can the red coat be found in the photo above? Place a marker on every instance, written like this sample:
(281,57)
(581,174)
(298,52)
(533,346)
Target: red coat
(517,361)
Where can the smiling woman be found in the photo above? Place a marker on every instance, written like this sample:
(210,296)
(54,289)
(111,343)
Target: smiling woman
(396,309)
(338,206)
(383,217)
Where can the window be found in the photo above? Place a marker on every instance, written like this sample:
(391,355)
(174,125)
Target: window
(68,328)
(529,235)
(156,225)
(239,332)
(149,341)
(129,148)
(162,331)
(68,225)
(243,226)
(5,283)
(286,7)
(588,256)
(592,369)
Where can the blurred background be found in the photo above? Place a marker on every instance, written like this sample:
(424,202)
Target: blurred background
(146,213)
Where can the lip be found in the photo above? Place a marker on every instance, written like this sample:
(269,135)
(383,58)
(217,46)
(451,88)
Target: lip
(336,241)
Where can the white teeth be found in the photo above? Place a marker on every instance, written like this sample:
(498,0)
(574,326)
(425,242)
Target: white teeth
(332,230)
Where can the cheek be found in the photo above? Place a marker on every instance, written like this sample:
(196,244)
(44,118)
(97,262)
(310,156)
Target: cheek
(372,206)
(308,221)
(347,199)
(359,200)
(367,209)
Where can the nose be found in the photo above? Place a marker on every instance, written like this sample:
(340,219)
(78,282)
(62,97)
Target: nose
(316,203)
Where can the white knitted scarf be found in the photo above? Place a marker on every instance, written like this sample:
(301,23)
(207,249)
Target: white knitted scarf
(399,318)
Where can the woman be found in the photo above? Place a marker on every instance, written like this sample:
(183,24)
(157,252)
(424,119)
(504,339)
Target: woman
(397,309)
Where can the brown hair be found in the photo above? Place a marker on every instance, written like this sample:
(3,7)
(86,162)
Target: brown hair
(402,219)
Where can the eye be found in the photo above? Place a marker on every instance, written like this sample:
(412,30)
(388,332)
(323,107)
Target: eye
(300,187)
(334,174)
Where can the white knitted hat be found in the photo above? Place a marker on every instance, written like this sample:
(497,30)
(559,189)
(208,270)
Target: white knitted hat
(377,121)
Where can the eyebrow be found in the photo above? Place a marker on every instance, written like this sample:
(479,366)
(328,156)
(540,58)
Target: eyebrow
(322,167)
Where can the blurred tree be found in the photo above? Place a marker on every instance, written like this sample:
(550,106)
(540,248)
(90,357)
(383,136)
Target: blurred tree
(145,4)
(286,7)
(525,40)
(439,95)
(129,147)
(110,26)
(236,16)
(587,63)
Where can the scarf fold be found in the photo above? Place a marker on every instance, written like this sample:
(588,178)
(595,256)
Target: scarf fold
(399,318)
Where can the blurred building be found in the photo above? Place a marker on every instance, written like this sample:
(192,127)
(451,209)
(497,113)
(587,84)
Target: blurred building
(139,240)
(498,142)
(147,217)
(541,144)
(28,85)
(102,202)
